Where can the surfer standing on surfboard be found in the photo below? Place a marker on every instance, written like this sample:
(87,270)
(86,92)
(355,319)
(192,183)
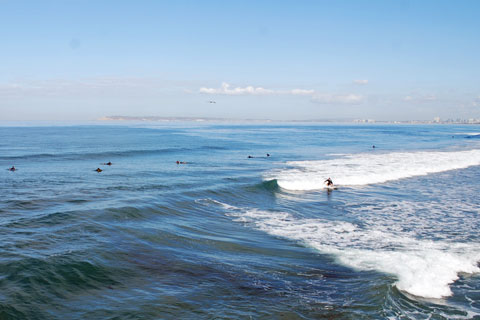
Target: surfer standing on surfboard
(328,182)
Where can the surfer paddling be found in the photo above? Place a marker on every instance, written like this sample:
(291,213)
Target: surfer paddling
(251,157)
(12,168)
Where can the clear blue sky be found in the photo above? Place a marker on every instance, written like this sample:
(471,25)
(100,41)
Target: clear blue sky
(81,60)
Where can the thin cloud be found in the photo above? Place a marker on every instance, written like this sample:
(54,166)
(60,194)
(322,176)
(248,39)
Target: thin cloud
(361,82)
(301,92)
(429,98)
(322,98)
(327,98)
(476,102)
(227,89)
(420,98)
(62,87)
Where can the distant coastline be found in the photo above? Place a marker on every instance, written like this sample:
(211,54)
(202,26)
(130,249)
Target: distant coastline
(231,120)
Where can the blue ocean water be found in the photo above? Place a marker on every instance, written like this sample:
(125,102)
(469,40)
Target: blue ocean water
(225,236)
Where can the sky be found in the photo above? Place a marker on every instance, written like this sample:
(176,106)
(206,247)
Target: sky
(280,60)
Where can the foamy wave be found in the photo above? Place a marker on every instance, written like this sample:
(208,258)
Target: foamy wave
(468,133)
(423,268)
(371,168)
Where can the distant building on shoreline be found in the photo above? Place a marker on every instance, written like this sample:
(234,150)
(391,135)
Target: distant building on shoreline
(435,120)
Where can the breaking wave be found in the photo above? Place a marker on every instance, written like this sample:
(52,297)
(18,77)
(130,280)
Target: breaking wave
(423,267)
(370,168)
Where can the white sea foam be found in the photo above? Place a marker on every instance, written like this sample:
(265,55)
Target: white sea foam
(370,168)
(424,268)
(468,133)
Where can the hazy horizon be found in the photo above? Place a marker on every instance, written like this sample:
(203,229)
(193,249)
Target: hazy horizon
(382,60)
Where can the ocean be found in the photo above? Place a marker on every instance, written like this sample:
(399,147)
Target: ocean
(228,236)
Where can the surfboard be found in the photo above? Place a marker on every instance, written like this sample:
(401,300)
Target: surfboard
(330,187)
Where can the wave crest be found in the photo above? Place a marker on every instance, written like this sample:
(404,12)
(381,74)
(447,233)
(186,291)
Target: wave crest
(371,168)
(423,268)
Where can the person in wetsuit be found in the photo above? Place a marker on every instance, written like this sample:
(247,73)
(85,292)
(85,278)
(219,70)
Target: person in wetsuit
(328,182)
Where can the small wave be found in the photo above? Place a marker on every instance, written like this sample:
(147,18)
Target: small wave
(371,168)
(270,185)
(468,134)
(92,155)
(423,268)
(473,136)
(214,148)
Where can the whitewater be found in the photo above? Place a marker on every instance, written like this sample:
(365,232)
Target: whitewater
(371,168)
(423,268)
